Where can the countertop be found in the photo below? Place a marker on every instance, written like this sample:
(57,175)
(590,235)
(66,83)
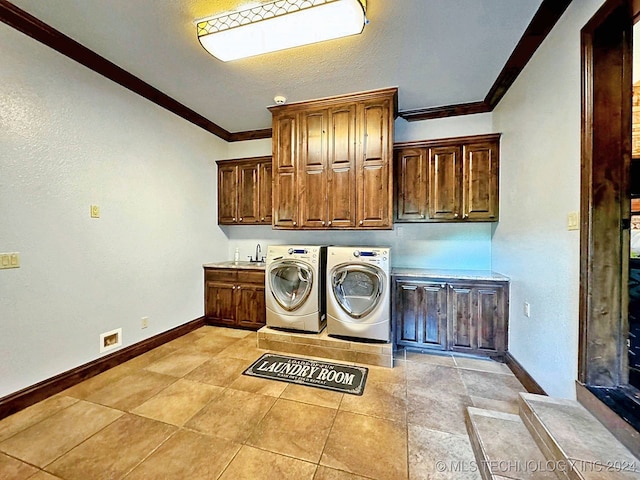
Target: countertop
(238,265)
(448,274)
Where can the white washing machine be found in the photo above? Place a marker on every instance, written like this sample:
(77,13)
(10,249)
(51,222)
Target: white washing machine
(358,301)
(295,287)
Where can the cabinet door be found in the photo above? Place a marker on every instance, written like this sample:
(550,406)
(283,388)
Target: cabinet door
(407,313)
(421,314)
(478,318)
(445,170)
(285,153)
(492,328)
(462,324)
(248,193)
(220,307)
(341,175)
(480,181)
(227,194)
(434,308)
(411,184)
(251,311)
(374,170)
(265,181)
(313,169)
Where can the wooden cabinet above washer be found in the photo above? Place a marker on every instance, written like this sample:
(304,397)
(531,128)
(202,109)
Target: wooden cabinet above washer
(332,162)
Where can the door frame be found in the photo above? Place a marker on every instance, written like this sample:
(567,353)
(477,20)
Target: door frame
(605,200)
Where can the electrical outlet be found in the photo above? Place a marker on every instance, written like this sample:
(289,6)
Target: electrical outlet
(144,323)
(527,309)
(572,221)
(95,211)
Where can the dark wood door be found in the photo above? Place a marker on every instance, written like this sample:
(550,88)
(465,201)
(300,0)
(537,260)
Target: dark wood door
(445,170)
(251,309)
(411,184)
(477,316)
(227,194)
(248,193)
(265,179)
(374,165)
(285,154)
(313,169)
(220,304)
(461,321)
(491,330)
(421,314)
(341,171)
(480,181)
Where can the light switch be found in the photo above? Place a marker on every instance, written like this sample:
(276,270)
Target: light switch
(572,221)
(9,260)
(95,211)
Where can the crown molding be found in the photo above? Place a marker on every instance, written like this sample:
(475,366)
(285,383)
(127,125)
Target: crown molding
(542,23)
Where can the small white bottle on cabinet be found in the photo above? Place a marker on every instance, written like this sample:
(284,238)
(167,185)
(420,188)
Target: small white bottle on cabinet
(236,255)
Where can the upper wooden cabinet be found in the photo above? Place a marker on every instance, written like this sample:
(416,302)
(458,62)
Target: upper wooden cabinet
(244,191)
(332,161)
(448,180)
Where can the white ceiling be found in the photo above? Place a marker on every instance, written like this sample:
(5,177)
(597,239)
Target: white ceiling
(437,52)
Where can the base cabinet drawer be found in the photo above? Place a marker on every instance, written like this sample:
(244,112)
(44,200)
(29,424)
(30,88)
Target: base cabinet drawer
(461,316)
(234,298)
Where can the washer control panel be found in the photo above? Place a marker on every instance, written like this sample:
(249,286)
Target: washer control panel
(379,256)
(310,254)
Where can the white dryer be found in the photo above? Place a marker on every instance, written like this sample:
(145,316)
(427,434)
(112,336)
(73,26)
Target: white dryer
(295,287)
(358,301)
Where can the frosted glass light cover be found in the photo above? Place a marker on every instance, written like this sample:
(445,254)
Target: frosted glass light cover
(279,25)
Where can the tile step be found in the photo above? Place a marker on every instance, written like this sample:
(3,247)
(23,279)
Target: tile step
(504,448)
(570,436)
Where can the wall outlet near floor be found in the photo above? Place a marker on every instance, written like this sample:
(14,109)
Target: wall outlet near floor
(144,322)
(110,340)
(9,260)
(95,211)
(527,309)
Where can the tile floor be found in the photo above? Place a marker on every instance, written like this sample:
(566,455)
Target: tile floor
(185,411)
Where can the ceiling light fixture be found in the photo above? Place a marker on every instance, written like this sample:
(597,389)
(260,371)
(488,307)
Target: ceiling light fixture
(279,25)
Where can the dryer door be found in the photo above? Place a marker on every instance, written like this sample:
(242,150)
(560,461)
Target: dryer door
(290,282)
(357,288)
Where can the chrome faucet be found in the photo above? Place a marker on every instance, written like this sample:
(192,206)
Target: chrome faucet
(258,259)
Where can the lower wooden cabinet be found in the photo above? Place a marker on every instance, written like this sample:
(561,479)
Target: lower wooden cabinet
(461,316)
(421,314)
(234,297)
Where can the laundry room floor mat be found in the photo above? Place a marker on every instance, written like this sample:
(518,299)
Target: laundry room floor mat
(330,376)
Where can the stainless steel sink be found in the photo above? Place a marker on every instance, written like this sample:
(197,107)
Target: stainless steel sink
(241,264)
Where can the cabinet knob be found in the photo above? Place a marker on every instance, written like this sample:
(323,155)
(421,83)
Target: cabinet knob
(330,222)
(239,287)
(295,223)
(240,218)
(323,223)
(234,219)
(466,215)
(422,215)
(443,285)
(233,288)
(361,222)
(262,219)
(455,215)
